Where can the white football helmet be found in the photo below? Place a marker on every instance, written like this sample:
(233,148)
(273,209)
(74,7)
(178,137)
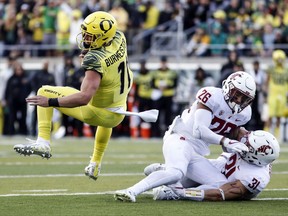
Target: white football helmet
(239,90)
(263,148)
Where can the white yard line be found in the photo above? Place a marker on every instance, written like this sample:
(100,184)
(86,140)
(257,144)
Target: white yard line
(66,175)
(40,163)
(64,194)
(82,175)
(110,193)
(276,198)
(84,163)
(38,191)
(280,173)
(64,163)
(277,189)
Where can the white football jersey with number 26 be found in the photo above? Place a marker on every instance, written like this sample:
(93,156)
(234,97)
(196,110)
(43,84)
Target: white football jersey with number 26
(223,119)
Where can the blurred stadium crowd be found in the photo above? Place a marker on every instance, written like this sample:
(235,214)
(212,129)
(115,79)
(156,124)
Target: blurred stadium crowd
(220,28)
(253,28)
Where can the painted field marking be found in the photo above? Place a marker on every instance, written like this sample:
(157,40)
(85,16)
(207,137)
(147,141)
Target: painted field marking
(65,163)
(82,175)
(108,193)
(38,191)
(66,175)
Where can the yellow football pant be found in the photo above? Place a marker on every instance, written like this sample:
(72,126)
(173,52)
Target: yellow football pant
(100,117)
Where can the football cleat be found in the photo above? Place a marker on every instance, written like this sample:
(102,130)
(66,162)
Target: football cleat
(125,196)
(41,149)
(164,193)
(153,167)
(93,170)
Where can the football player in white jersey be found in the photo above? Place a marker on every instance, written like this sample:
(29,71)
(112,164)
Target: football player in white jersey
(208,121)
(247,173)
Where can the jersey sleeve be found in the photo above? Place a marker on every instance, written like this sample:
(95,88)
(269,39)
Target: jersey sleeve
(220,162)
(246,115)
(91,62)
(208,96)
(255,180)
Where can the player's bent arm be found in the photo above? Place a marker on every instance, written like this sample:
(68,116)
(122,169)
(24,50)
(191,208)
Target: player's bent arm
(202,120)
(89,86)
(229,191)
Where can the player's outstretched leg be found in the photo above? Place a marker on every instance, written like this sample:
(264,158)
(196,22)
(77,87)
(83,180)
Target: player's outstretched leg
(41,149)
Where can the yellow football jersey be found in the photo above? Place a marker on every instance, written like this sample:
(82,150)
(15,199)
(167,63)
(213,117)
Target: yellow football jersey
(278,79)
(144,83)
(168,79)
(112,63)
(277,95)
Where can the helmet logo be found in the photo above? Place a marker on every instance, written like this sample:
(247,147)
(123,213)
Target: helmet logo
(106,25)
(265,149)
(235,75)
(83,27)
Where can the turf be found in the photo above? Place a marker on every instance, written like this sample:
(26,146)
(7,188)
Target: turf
(35,186)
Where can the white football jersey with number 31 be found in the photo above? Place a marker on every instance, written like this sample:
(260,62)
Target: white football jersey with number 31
(254,178)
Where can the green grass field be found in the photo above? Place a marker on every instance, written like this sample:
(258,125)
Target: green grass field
(58,186)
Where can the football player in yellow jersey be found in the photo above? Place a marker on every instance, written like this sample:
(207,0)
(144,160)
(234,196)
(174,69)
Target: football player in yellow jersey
(106,84)
(165,80)
(143,88)
(277,91)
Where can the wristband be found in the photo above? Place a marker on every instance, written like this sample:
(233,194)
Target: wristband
(193,194)
(53,102)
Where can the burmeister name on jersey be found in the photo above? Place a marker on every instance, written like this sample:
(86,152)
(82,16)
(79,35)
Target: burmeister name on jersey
(119,54)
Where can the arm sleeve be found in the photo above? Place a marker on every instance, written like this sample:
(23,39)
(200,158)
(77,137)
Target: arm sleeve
(201,129)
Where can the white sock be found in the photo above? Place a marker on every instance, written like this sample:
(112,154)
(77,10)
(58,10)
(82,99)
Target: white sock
(41,140)
(155,179)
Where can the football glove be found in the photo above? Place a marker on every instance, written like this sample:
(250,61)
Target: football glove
(233,146)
